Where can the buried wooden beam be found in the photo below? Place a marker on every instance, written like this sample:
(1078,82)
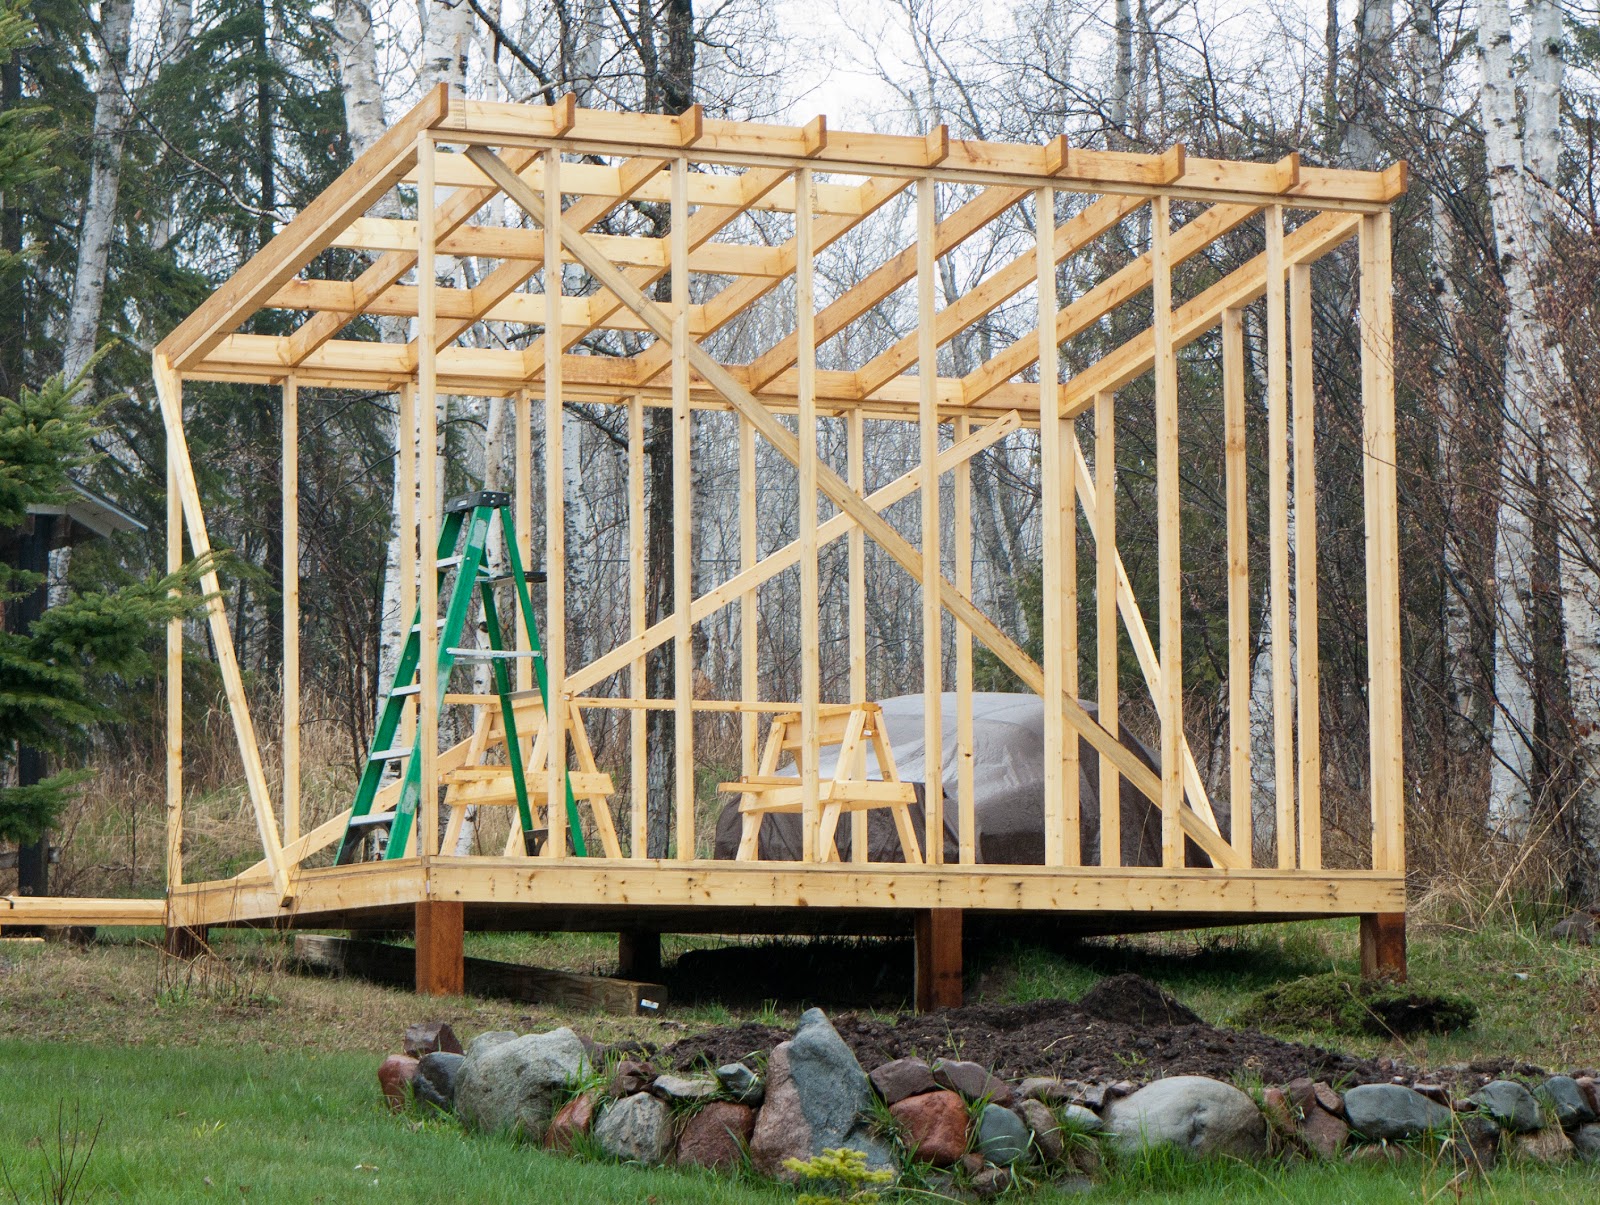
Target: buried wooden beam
(392,965)
(938,953)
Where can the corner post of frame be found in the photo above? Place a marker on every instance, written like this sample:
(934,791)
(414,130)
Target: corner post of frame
(937,938)
(1383,946)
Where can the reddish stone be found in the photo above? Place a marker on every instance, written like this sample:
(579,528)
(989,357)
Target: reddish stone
(902,1078)
(1329,1099)
(1280,1113)
(935,1125)
(972,1163)
(1591,1092)
(575,1117)
(395,1074)
(1302,1094)
(716,1135)
(1324,1133)
(631,1077)
(1434,1092)
(429,1037)
(974,1082)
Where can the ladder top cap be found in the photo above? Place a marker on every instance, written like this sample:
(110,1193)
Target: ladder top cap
(477,498)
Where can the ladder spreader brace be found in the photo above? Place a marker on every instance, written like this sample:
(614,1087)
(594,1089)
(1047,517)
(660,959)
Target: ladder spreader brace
(470,513)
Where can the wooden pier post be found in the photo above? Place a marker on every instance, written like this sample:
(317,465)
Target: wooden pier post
(441,954)
(1383,946)
(938,951)
(639,955)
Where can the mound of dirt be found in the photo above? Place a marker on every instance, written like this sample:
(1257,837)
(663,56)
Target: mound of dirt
(1055,1037)
(1132,1000)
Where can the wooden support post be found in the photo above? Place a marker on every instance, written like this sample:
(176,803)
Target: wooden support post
(966,787)
(810,590)
(291,610)
(1053,537)
(1105,604)
(441,956)
(406,525)
(187,942)
(639,954)
(938,954)
(682,518)
(1383,946)
(1239,643)
(555,522)
(1308,677)
(856,477)
(1170,704)
(427,838)
(522,512)
(749,617)
(1278,544)
(932,571)
(638,684)
(174,684)
(1383,545)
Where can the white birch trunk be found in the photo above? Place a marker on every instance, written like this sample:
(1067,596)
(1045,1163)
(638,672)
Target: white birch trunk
(177,24)
(445,26)
(1511,771)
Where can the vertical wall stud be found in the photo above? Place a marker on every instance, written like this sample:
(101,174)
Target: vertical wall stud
(1309,676)
(810,604)
(1105,603)
(682,518)
(856,468)
(291,609)
(638,718)
(966,812)
(555,520)
(427,837)
(1053,533)
(1278,544)
(932,611)
(1239,643)
(1169,570)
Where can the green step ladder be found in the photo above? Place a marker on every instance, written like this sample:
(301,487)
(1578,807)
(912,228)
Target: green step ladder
(461,555)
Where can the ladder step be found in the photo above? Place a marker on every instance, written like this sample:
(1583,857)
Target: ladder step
(398,692)
(417,627)
(372,820)
(390,754)
(534,577)
(493,654)
(449,562)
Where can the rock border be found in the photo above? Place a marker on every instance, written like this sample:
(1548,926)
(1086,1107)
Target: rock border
(954,1126)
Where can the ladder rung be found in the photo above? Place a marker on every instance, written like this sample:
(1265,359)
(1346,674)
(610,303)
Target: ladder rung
(417,627)
(533,577)
(414,689)
(449,562)
(390,754)
(492,654)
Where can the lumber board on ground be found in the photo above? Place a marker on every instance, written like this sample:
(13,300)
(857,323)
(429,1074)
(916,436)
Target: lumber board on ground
(395,966)
(74,910)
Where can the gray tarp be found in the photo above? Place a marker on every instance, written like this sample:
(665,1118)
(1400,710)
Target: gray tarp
(1008,795)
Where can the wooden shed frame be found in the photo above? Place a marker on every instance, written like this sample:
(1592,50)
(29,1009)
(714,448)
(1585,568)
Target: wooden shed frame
(566,169)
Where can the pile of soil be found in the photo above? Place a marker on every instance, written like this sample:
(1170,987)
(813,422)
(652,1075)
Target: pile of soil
(1119,1031)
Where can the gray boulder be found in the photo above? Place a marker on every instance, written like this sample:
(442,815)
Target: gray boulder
(436,1077)
(816,1095)
(684,1087)
(493,1037)
(741,1083)
(1199,1115)
(1510,1104)
(1586,1140)
(511,1085)
(1392,1112)
(1567,1100)
(636,1129)
(1002,1135)
(1081,1120)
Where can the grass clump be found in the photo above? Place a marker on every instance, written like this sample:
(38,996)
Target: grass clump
(1354,1006)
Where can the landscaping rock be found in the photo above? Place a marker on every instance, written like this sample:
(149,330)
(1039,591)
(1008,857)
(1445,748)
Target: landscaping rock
(816,1093)
(1328,1099)
(1434,1092)
(1276,1108)
(631,1076)
(1591,1093)
(1322,1133)
(935,1125)
(990,1182)
(1051,1091)
(395,1074)
(741,1083)
(511,1085)
(1577,928)
(436,1077)
(483,1041)
(1084,1121)
(683,1087)
(715,1136)
(1510,1104)
(1045,1129)
(1301,1094)
(902,1078)
(1549,1147)
(1567,1100)
(1198,1115)
(973,1081)
(428,1037)
(1476,1144)
(1002,1136)
(636,1129)
(1391,1112)
(574,1118)
(1586,1141)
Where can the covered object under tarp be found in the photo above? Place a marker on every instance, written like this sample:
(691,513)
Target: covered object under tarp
(1008,790)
